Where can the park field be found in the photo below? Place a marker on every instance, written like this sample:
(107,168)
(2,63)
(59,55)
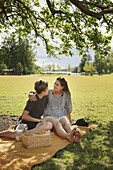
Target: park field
(92,99)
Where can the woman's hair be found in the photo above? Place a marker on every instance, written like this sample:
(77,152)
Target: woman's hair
(40,86)
(63,83)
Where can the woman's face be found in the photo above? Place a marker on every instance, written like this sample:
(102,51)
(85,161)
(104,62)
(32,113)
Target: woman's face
(57,86)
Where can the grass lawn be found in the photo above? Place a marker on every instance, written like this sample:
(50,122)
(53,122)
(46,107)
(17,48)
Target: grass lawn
(92,99)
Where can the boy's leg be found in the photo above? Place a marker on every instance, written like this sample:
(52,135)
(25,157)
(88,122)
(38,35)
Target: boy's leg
(19,130)
(8,134)
(12,133)
(43,126)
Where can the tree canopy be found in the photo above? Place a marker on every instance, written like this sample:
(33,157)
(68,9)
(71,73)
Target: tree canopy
(62,25)
(18,56)
(100,65)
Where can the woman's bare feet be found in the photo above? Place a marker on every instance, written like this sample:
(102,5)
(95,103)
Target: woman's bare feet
(77,135)
(74,136)
(70,136)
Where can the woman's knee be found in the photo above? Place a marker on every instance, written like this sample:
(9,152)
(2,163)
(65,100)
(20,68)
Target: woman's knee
(52,120)
(64,120)
(49,125)
(55,122)
(57,125)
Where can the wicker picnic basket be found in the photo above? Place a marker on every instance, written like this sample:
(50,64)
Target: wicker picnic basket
(36,140)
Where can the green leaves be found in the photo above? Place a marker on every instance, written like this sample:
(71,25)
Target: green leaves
(75,23)
(17,54)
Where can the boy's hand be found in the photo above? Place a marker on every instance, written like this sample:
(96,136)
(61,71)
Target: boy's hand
(32,97)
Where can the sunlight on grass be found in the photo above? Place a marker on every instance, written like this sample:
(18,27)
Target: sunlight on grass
(91,96)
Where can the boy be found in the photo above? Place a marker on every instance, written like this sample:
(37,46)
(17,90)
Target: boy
(32,113)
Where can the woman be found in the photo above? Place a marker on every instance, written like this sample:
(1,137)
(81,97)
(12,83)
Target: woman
(58,110)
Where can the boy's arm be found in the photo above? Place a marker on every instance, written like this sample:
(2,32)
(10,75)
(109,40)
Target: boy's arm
(26,116)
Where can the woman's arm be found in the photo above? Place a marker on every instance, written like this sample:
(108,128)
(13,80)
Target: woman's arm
(32,96)
(26,116)
(68,105)
(69,118)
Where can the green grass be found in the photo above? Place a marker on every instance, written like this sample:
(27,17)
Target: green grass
(92,99)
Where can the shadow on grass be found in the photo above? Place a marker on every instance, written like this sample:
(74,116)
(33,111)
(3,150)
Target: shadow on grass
(94,152)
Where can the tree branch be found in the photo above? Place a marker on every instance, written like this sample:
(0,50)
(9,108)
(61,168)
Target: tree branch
(82,7)
(95,5)
(52,10)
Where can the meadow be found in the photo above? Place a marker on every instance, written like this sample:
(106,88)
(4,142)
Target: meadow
(92,99)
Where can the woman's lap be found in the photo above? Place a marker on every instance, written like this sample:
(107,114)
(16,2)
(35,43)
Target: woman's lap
(62,117)
(55,121)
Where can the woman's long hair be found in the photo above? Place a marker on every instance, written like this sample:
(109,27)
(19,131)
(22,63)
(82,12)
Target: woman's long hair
(63,83)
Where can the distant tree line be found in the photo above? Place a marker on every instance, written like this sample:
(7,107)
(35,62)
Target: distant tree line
(51,67)
(100,65)
(17,55)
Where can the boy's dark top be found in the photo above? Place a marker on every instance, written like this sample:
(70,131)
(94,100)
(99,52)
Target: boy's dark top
(35,110)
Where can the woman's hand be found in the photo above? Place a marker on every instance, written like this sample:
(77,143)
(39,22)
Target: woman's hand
(32,97)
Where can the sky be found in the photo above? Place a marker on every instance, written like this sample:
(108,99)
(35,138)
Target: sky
(62,61)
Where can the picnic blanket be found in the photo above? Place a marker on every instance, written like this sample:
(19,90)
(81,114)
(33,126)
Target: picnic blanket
(13,156)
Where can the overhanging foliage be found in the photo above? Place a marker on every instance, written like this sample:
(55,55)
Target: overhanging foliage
(61,25)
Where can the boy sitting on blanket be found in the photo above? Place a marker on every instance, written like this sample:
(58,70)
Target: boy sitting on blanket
(32,113)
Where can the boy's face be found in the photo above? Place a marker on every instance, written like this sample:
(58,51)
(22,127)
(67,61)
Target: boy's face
(46,92)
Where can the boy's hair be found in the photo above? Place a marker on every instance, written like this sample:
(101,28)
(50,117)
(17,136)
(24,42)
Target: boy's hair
(40,86)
